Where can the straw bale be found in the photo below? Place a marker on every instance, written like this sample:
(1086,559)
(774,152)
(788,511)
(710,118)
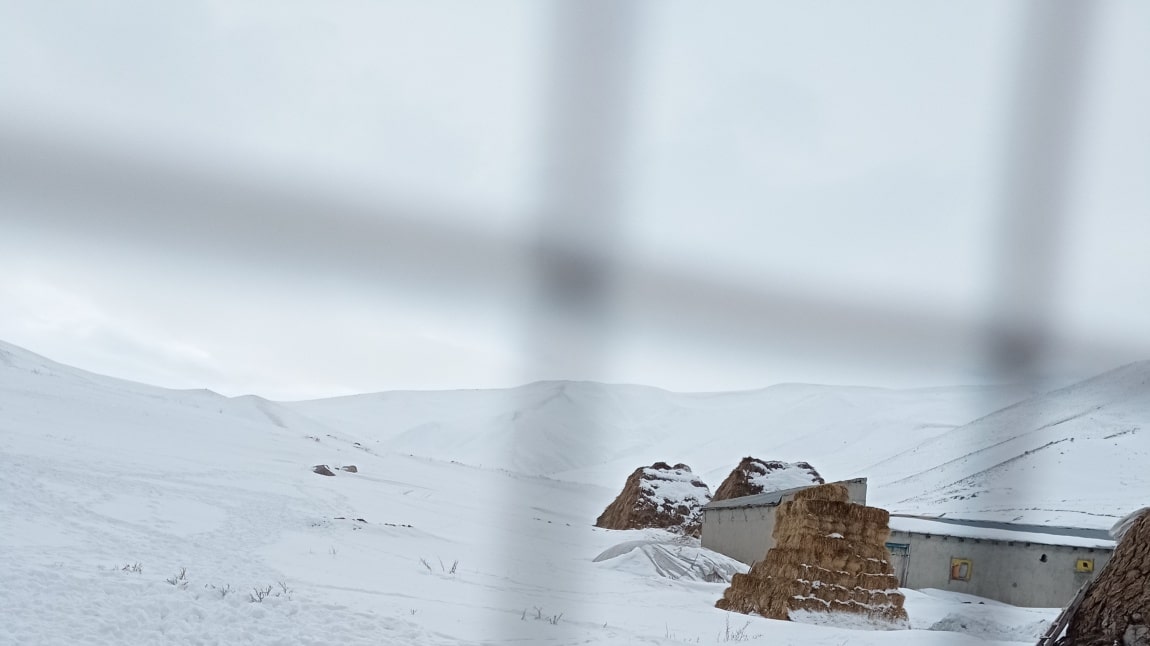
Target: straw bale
(833,491)
(1116,607)
(802,528)
(842,510)
(746,479)
(640,505)
(831,548)
(789,564)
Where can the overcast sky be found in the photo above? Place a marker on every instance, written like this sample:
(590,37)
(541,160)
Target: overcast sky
(805,192)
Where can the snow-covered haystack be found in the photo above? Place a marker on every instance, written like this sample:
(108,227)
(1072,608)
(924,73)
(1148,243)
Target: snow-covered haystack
(829,558)
(1116,608)
(659,496)
(754,476)
(681,559)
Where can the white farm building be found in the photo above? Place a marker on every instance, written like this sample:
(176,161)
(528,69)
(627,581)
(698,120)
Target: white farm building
(1024,565)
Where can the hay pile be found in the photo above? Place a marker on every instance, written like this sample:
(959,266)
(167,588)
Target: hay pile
(829,556)
(659,496)
(754,476)
(1116,608)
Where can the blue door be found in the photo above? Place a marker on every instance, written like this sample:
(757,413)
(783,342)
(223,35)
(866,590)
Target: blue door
(900,561)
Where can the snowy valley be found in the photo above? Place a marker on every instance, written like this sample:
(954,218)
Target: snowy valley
(139,515)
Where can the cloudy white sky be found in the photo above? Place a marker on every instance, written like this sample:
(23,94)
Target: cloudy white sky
(806,192)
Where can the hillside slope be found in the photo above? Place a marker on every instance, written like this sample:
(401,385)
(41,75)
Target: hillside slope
(953,451)
(1075,456)
(591,432)
(139,515)
(958,451)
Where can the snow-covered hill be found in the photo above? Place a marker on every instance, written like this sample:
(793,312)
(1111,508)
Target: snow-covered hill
(969,452)
(599,433)
(1074,457)
(469,520)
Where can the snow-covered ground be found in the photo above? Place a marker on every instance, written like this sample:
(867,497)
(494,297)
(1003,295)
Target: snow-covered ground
(469,519)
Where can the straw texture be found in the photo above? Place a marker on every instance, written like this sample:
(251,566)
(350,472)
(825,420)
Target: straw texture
(829,556)
(1116,608)
(659,496)
(748,477)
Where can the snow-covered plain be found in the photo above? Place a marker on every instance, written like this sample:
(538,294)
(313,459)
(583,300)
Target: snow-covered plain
(469,520)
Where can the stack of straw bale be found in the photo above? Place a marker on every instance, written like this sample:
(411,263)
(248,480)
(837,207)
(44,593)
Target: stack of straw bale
(829,556)
(1116,606)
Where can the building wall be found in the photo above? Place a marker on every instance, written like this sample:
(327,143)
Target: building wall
(1013,573)
(744,533)
(856,489)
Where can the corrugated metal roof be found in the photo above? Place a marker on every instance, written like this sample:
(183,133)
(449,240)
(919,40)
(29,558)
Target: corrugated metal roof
(941,526)
(765,499)
(770,499)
